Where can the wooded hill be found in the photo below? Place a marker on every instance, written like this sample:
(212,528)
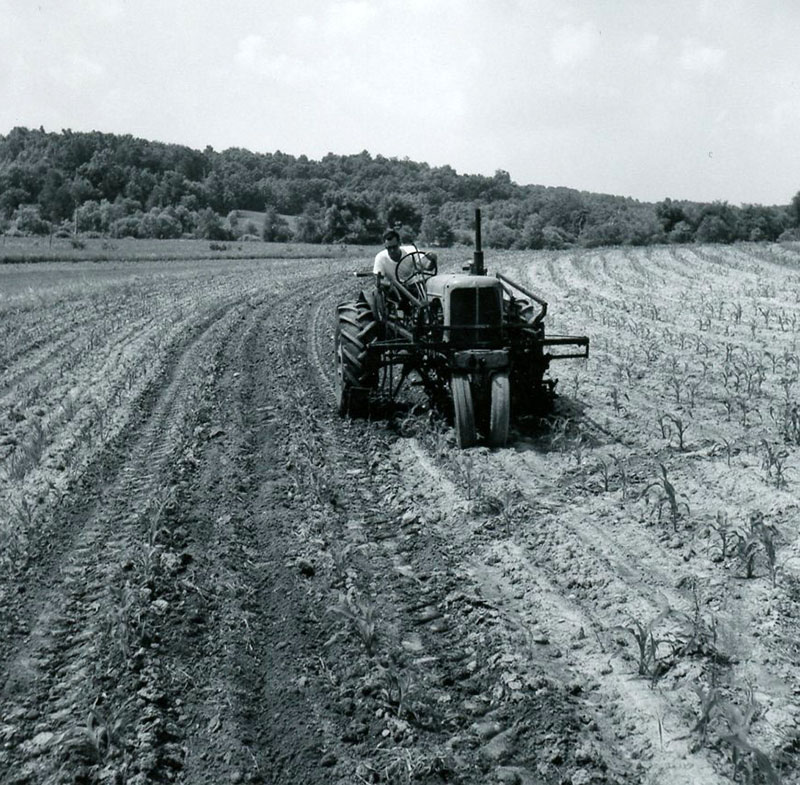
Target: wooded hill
(115,185)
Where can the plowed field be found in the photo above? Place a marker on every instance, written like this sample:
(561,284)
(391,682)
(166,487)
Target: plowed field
(207,576)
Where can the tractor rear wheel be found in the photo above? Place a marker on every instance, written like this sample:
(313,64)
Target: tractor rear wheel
(499,410)
(464,412)
(356,327)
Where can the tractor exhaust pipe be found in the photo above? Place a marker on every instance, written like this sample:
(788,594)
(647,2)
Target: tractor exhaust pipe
(477,267)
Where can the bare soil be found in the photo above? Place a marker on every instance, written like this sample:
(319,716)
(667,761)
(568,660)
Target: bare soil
(207,576)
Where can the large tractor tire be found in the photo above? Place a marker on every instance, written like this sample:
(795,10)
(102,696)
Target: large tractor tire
(499,410)
(463,409)
(356,327)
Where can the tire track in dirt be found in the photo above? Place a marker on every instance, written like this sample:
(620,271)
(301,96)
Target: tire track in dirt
(50,682)
(232,524)
(251,718)
(536,592)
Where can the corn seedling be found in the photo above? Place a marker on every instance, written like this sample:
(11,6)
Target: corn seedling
(787,383)
(340,557)
(559,433)
(667,422)
(710,701)
(360,614)
(667,497)
(788,421)
(396,690)
(98,735)
(728,450)
(650,664)
(749,762)
(698,634)
(604,469)
(577,447)
(747,408)
(623,476)
(147,562)
(466,467)
(725,533)
(616,401)
(121,619)
(676,381)
(746,551)
(154,527)
(692,386)
(759,537)
(773,463)
(501,506)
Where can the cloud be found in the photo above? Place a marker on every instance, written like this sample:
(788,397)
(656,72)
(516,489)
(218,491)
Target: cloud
(255,55)
(76,71)
(647,46)
(781,119)
(571,45)
(702,59)
(349,17)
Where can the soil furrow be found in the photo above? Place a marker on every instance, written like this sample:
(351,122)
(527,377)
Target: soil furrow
(116,529)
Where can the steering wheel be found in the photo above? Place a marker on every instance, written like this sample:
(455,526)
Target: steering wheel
(415,267)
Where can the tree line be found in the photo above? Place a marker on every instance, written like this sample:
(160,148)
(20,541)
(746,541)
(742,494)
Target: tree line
(121,186)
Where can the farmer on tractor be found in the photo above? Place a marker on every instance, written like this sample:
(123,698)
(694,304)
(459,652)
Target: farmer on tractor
(385,266)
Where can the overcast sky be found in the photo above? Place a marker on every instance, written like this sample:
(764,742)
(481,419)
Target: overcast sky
(693,99)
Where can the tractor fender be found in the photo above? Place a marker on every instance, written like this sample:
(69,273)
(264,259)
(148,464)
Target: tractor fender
(374,300)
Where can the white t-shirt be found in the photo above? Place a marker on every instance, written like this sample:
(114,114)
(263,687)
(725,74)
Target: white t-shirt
(385,265)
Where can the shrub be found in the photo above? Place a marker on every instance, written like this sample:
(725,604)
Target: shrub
(28,220)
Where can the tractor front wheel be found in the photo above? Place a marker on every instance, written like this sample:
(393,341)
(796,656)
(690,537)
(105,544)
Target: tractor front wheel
(464,412)
(356,327)
(499,410)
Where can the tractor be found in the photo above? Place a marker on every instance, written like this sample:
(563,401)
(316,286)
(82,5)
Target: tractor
(476,343)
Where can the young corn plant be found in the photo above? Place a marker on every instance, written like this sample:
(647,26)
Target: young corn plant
(710,701)
(623,476)
(726,535)
(99,734)
(788,421)
(759,538)
(669,421)
(666,498)
(750,763)
(360,615)
(605,471)
(398,690)
(692,387)
(652,663)
(747,407)
(773,463)
(616,400)
(471,478)
(122,619)
(155,528)
(728,447)
(698,632)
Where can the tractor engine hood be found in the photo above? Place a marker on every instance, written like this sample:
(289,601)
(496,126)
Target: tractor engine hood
(438,285)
